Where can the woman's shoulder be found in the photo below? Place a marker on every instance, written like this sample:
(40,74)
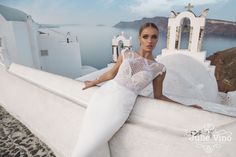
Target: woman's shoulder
(127,53)
(127,50)
(159,63)
(158,67)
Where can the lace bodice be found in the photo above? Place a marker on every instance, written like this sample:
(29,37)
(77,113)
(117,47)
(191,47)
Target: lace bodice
(136,72)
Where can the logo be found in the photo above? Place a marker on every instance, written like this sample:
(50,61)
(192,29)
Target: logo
(209,138)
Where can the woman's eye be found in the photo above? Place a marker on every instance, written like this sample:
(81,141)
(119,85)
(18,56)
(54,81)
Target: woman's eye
(154,37)
(145,36)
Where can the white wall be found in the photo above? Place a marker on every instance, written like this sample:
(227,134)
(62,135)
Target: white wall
(54,119)
(1,24)
(6,34)
(18,52)
(33,35)
(50,106)
(63,58)
(21,39)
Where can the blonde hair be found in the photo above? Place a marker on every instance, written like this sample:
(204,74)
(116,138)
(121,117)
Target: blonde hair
(148,24)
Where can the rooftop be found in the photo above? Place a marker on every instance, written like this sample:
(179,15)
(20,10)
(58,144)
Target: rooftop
(11,14)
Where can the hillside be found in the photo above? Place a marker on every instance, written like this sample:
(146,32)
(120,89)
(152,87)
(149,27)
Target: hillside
(225,62)
(213,26)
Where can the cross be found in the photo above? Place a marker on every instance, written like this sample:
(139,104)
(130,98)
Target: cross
(189,6)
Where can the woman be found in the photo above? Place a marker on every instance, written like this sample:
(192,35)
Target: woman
(111,105)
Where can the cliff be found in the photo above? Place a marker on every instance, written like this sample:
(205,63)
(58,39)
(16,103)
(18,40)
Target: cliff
(161,22)
(225,62)
(213,26)
(221,28)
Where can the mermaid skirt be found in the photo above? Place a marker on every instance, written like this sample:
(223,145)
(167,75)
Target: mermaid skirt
(107,111)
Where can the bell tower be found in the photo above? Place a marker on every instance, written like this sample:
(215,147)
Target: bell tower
(179,24)
(118,44)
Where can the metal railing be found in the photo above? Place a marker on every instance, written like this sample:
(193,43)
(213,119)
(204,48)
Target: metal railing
(69,38)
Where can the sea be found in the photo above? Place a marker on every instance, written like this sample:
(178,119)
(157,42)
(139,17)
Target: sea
(96,43)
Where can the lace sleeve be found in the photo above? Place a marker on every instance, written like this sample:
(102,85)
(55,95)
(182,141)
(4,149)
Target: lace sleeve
(126,53)
(123,53)
(159,69)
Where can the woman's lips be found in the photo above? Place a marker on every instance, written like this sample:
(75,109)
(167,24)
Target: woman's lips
(149,46)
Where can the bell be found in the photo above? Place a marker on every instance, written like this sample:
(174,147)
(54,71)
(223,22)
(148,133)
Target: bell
(186,28)
(186,25)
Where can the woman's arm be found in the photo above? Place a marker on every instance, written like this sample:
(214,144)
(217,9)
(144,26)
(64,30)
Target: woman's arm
(157,90)
(158,86)
(106,76)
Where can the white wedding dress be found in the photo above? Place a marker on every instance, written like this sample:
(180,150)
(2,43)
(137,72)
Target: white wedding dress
(111,105)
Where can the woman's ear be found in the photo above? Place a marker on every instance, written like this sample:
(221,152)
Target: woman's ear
(139,38)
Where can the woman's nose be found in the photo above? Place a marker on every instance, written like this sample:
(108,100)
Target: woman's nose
(149,40)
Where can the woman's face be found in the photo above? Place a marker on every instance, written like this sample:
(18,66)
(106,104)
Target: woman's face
(148,39)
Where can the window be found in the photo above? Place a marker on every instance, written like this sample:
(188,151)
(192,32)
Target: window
(44,52)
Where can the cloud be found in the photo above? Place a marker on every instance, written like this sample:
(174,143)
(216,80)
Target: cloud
(107,2)
(151,7)
(44,11)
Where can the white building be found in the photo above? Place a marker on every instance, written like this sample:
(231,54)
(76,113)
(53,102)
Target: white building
(23,41)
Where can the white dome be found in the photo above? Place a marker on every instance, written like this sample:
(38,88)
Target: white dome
(188,78)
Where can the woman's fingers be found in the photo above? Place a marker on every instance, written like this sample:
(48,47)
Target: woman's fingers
(84,88)
(88,84)
(196,106)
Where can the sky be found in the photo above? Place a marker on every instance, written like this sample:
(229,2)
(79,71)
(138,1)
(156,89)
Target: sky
(111,12)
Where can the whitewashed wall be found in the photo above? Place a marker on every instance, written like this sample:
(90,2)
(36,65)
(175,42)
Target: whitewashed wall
(50,105)
(21,40)
(63,58)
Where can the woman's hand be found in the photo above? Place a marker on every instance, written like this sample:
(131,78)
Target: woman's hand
(196,106)
(105,76)
(88,84)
